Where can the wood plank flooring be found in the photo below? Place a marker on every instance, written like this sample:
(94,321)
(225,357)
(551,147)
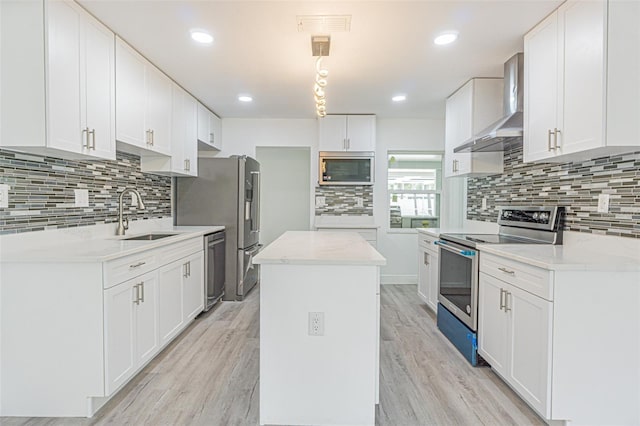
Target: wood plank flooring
(209,375)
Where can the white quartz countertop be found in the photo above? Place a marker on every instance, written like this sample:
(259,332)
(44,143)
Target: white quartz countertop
(565,257)
(320,248)
(98,249)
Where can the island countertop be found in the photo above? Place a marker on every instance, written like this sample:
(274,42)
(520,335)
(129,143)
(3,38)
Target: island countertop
(319,248)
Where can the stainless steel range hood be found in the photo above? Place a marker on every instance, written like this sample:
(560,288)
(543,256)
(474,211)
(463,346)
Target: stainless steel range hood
(505,133)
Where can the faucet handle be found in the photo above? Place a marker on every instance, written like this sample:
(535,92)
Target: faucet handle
(125,222)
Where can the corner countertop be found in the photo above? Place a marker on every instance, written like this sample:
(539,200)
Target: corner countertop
(97,249)
(565,257)
(320,248)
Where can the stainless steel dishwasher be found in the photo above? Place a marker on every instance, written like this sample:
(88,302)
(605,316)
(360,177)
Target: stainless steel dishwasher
(214,270)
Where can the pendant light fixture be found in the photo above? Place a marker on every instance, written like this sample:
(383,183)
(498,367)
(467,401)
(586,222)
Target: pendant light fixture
(320,47)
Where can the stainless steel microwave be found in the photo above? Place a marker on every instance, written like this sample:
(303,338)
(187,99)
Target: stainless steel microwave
(346,168)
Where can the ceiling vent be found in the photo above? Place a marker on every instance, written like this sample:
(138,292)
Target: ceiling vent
(323,24)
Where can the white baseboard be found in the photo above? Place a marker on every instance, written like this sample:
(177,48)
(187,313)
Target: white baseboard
(398,279)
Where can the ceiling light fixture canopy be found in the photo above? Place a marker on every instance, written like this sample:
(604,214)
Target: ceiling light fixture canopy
(320,46)
(245,98)
(399,98)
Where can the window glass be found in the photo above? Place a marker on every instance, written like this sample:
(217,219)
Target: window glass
(414,185)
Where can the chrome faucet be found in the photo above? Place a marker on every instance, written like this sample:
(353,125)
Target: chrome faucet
(123,222)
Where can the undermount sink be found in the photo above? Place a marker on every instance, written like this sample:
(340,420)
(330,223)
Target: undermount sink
(149,237)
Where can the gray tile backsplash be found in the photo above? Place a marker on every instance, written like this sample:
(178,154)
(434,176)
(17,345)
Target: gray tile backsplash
(42,191)
(341,200)
(574,185)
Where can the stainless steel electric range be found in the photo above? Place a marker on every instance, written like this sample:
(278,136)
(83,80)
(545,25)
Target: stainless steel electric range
(459,267)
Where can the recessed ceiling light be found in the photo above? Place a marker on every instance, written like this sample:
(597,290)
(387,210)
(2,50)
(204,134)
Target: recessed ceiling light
(446,38)
(399,98)
(245,98)
(201,36)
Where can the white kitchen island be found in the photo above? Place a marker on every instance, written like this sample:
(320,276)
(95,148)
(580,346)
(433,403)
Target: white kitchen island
(319,372)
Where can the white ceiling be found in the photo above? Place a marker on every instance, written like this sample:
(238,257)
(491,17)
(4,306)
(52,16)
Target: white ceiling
(259,51)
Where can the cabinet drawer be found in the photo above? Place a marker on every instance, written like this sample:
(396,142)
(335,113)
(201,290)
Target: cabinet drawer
(529,278)
(126,268)
(427,242)
(177,251)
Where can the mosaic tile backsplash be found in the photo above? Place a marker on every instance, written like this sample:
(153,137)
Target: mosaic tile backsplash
(42,191)
(341,200)
(573,185)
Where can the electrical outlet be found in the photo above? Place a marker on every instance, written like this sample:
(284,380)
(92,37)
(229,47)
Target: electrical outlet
(4,196)
(81,197)
(603,203)
(359,202)
(316,323)
(320,201)
(484,203)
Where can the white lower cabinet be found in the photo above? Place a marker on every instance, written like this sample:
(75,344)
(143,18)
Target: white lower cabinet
(170,300)
(192,290)
(131,328)
(428,267)
(514,333)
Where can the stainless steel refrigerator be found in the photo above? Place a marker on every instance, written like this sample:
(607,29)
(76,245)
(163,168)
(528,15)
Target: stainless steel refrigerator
(226,192)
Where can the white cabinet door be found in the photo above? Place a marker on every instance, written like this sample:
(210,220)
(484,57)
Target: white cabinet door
(119,311)
(190,147)
(98,53)
(130,96)
(178,131)
(583,25)
(170,300)
(332,131)
(204,133)
(64,75)
(530,348)
(158,112)
(469,110)
(423,274)
(493,323)
(146,318)
(215,128)
(193,286)
(361,132)
(542,88)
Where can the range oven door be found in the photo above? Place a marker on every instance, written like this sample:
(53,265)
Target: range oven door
(459,281)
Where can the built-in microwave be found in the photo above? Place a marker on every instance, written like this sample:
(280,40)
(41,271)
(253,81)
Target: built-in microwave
(346,168)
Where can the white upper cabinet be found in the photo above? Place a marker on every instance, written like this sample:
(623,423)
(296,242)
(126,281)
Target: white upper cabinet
(581,82)
(184,143)
(143,107)
(209,129)
(58,88)
(469,110)
(347,133)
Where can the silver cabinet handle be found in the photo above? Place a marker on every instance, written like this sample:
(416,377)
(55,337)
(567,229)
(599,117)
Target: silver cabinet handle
(142,292)
(348,143)
(188,164)
(92,132)
(189,267)
(211,139)
(507,271)
(555,138)
(135,265)
(549,148)
(85,137)
(185,274)
(153,137)
(426,258)
(185,166)
(137,299)
(502,293)
(506,301)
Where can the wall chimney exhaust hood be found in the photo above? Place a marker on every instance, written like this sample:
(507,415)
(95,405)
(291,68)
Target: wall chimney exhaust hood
(505,133)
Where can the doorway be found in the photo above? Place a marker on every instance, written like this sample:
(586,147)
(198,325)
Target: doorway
(285,190)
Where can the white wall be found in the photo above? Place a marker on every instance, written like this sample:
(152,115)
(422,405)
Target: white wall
(400,249)
(242,136)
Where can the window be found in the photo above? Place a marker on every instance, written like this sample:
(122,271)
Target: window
(414,184)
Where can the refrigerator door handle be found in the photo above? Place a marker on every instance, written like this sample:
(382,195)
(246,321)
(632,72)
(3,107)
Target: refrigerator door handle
(255,219)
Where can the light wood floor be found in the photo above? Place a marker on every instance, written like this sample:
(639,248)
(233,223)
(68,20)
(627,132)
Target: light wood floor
(209,375)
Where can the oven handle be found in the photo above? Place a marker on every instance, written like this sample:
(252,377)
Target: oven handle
(445,245)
